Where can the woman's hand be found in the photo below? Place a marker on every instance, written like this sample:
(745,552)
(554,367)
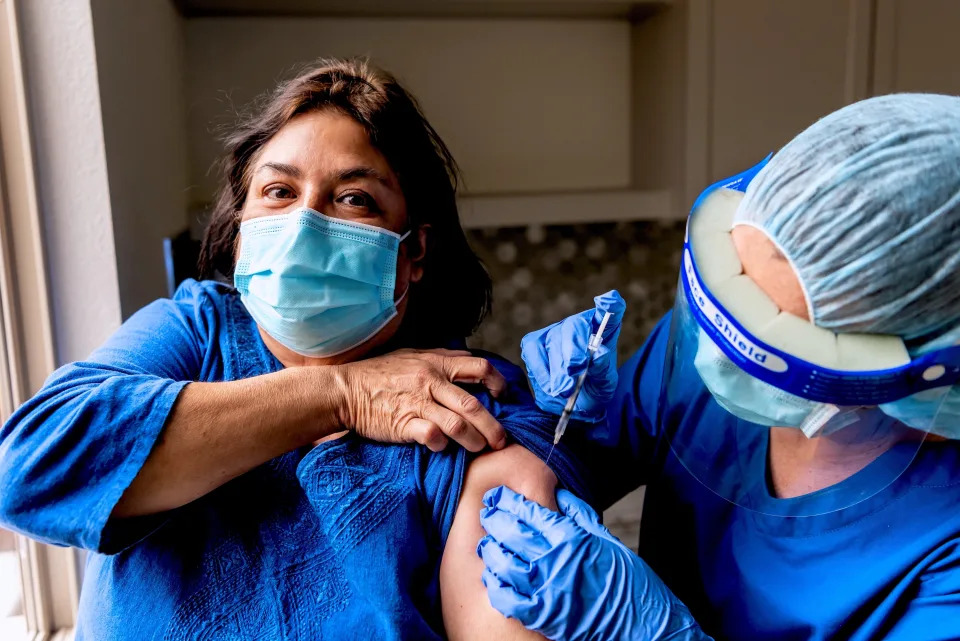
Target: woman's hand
(410,396)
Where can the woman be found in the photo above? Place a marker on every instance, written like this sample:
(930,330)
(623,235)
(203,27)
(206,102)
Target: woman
(182,451)
(795,420)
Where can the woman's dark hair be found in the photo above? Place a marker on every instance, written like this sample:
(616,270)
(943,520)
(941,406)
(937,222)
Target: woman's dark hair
(453,296)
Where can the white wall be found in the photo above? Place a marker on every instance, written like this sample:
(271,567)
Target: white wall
(524,105)
(140,49)
(74,196)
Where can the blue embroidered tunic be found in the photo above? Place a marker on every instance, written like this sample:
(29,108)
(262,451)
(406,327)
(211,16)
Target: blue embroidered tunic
(341,540)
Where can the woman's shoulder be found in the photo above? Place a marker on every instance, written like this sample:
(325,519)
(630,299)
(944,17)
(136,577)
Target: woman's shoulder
(356,486)
(202,292)
(194,304)
(226,327)
(533,428)
(196,310)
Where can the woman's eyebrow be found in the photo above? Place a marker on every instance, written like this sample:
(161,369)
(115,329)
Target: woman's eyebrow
(282,168)
(363,172)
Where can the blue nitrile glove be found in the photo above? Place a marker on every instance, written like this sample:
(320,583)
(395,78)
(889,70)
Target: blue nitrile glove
(557,354)
(566,577)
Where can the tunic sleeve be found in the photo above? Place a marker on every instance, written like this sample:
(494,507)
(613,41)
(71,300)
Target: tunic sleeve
(68,454)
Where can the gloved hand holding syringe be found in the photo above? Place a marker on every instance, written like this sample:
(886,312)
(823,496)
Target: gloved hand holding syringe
(558,358)
(592,346)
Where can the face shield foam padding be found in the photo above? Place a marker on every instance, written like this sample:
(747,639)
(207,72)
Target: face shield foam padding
(870,351)
(746,302)
(718,264)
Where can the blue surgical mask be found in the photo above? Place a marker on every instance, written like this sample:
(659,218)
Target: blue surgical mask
(318,285)
(935,410)
(755,401)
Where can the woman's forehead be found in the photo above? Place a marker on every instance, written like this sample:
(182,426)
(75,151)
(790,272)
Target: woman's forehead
(324,142)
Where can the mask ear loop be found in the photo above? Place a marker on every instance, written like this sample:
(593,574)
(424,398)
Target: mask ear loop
(407,290)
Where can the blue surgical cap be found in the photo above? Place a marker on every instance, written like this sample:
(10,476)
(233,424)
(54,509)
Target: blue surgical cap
(866,205)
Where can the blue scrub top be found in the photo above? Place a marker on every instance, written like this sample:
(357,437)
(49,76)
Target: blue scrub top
(339,541)
(887,567)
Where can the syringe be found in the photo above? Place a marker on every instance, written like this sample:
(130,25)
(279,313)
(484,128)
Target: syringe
(592,346)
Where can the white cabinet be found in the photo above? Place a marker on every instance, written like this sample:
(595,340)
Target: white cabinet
(776,67)
(617,111)
(753,74)
(533,97)
(757,72)
(525,105)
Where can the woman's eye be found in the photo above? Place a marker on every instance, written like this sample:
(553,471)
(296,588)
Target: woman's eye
(278,192)
(358,199)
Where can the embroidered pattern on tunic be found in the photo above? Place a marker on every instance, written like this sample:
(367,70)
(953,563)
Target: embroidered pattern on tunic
(354,486)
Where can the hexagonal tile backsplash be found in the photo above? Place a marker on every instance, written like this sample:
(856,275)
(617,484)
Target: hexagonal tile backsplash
(542,274)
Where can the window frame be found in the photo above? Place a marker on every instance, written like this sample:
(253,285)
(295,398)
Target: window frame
(49,575)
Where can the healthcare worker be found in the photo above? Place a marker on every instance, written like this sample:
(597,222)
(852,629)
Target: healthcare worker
(794,419)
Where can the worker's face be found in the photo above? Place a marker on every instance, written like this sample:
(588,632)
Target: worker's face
(324,160)
(766,265)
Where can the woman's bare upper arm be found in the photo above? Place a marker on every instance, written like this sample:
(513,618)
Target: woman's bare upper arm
(467,613)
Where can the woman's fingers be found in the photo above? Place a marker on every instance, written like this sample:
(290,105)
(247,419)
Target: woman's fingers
(473,369)
(443,352)
(410,395)
(454,426)
(427,434)
(473,412)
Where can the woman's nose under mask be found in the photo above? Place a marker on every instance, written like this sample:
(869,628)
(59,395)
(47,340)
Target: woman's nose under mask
(318,285)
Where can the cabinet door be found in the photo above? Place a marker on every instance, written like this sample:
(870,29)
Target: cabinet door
(917,48)
(772,68)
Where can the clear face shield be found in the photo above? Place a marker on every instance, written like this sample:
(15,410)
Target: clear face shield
(750,392)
